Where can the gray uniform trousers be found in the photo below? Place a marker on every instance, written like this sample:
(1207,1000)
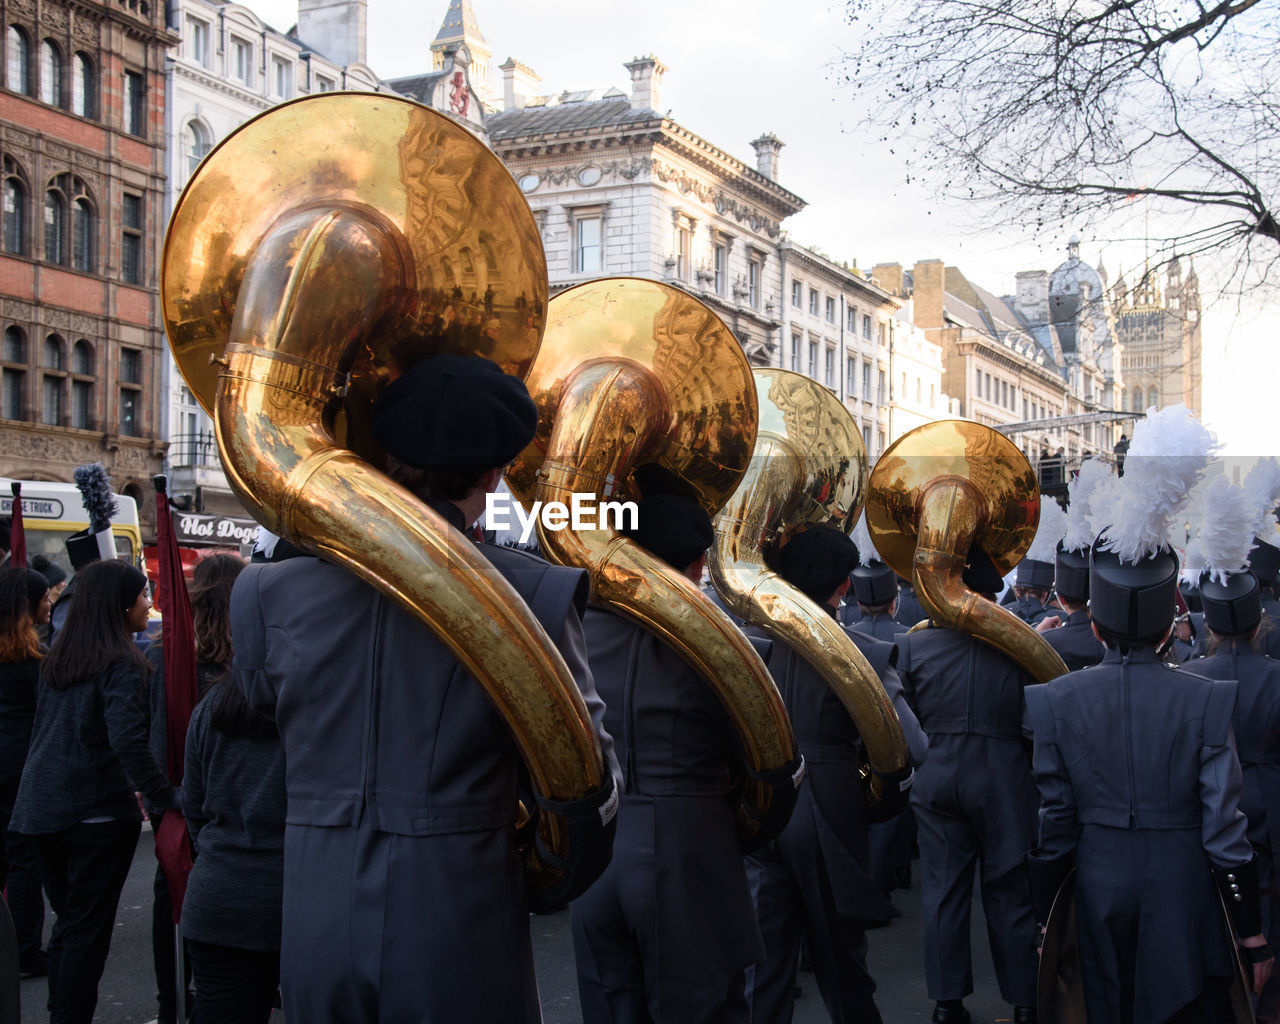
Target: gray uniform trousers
(812,880)
(667,932)
(974,802)
(404,898)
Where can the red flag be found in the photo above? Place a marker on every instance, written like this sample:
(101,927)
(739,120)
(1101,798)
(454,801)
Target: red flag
(173,845)
(17,535)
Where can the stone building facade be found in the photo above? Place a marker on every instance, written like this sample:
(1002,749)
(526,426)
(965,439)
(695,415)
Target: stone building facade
(82,144)
(843,330)
(1041,354)
(619,188)
(1161,337)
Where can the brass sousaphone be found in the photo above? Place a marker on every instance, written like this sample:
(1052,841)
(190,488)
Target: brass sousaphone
(809,470)
(639,382)
(935,492)
(305,253)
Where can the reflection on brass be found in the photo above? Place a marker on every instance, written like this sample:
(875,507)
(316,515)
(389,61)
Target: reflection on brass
(809,470)
(639,381)
(939,489)
(315,255)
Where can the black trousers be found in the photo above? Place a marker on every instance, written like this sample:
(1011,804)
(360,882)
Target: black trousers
(84,868)
(20,880)
(233,986)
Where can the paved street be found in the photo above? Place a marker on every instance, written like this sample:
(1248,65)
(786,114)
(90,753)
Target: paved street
(127,993)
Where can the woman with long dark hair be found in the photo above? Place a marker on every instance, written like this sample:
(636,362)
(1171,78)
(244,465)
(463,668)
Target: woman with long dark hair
(210,594)
(88,755)
(24,606)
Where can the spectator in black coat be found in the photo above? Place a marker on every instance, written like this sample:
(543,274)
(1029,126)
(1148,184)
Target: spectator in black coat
(233,797)
(24,605)
(88,755)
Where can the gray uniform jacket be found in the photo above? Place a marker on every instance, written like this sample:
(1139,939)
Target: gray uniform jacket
(974,801)
(669,928)
(1269,641)
(403,893)
(1075,643)
(814,876)
(1029,610)
(881,627)
(1138,776)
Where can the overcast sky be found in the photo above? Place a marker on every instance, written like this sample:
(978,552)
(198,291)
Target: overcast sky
(738,68)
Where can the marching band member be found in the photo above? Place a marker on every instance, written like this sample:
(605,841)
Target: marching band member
(1137,771)
(813,879)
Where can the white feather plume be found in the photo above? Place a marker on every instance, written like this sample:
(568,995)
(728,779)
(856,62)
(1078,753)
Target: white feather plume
(861,538)
(1262,485)
(1226,529)
(1169,453)
(1079,532)
(1053,524)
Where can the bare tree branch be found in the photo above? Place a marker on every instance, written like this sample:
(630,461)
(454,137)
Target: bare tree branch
(1045,110)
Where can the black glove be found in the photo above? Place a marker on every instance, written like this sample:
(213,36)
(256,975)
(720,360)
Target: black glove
(1240,892)
(886,794)
(1047,875)
(767,800)
(590,824)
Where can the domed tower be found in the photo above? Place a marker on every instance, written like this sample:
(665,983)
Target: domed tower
(1079,307)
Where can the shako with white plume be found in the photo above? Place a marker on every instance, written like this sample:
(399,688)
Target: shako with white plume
(1071,577)
(1133,577)
(1037,565)
(874,583)
(1228,590)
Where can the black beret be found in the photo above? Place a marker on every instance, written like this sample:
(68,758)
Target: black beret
(455,413)
(817,561)
(980,573)
(674,528)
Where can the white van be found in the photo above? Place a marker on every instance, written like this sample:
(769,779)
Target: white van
(52,512)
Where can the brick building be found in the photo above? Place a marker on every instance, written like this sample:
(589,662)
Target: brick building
(82,144)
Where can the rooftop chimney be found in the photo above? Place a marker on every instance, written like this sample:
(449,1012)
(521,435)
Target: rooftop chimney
(767,147)
(519,82)
(335,29)
(646,82)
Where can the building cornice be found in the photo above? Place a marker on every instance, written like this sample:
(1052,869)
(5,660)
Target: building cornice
(203,77)
(806,257)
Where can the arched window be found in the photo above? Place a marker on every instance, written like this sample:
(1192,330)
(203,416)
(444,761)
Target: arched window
(15,209)
(195,143)
(84,87)
(70,235)
(13,375)
(1135,400)
(1153,398)
(55,226)
(51,73)
(52,357)
(18,64)
(82,235)
(53,384)
(82,407)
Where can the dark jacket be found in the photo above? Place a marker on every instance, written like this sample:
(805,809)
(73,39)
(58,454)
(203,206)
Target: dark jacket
(1075,643)
(158,700)
(88,754)
(882,627)
(233,799)
(18,686)
(910,611)
(1138,778)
